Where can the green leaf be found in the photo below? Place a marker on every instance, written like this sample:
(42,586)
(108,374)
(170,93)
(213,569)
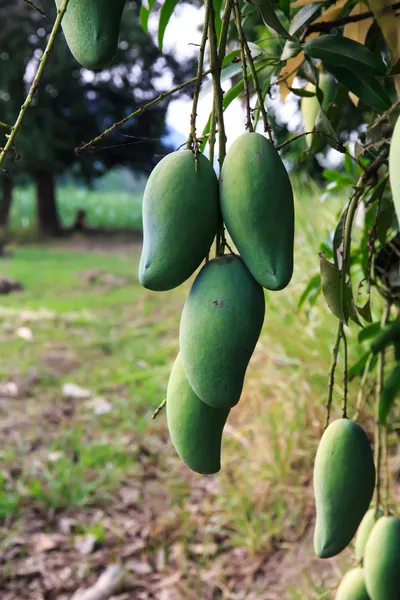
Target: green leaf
(338,241)
(386,336)
(217,10)
(359,366)
(340,51)
(369,332)
(313,284)
(144,15)
(304,15)
(167,9)
(368,89)
(390,390)
(331,283)
(270,17)
(285,7)
(384,223)
(291,48)
(365,311)
(303,93)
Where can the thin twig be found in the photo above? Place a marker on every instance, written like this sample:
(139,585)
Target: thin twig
(36,8)
(267,127)
(5,125)
(329,25)
(82,149)
(361,391)
(340,147)
(378,391)
(335,353)
(159,408)
(387,474)
(224,30)
(216,76)
(35,82)
(211,139)
(345,375)
(199,77)
(241,38)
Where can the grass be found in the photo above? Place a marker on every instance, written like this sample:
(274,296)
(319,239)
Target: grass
(111,209)
(119,342)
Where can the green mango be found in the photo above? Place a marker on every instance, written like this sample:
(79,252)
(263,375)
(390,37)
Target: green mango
(364,531)
(180,219)
(220,325)
(195,428)
(310,106)
(394,167)
(91,28)
(352,586)
(258,210)
(382,560)
(344,480)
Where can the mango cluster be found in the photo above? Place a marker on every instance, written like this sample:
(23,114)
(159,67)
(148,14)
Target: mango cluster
(344,481)
(91,29)
(184,206)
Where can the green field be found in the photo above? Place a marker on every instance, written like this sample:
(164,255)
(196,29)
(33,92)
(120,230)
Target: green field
(111,209)
(243,533)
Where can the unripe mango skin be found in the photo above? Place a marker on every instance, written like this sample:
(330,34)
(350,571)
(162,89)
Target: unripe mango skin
(394,167)
(220,325)
(195,428)
(258,209)
(180,219)
(344,480)
(382,560)
(352,586)
(91,29)
(364,531)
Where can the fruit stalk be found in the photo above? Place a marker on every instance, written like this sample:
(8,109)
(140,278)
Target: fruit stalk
(332,370)
(242,40)
(192,140)
(35,82)
(267,127)
(378,432)
(345,375)
(216,77)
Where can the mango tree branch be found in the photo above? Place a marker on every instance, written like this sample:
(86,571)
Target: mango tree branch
(378,432)
(36,79)
(325,26)
(238,21)
(199,77)
(216,76)
(85,147)
(332,369)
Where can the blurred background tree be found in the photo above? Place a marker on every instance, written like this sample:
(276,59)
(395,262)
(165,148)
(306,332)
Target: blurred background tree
(73,104)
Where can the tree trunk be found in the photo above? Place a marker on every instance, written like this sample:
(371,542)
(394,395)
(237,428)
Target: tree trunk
(47,214)
(6,198)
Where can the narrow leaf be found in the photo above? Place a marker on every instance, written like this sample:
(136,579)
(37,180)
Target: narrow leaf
(369,332)
(304,15)
(368,89)
(386,336)
(344,52)
(270,17)
(288,74)
(384,223)
(365,311)
(390,391)
(331,282)
(167,9)
(338,241)
(217,10)
(313,284)
(144,15)
(359,366)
